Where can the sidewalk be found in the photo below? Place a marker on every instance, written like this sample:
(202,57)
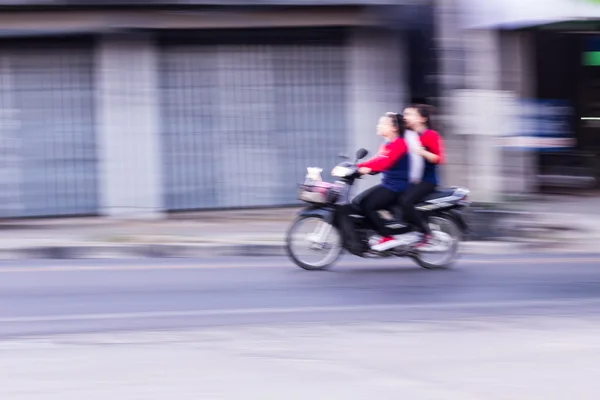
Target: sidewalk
(251,233)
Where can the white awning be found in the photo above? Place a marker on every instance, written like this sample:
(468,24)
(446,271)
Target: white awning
(516,14)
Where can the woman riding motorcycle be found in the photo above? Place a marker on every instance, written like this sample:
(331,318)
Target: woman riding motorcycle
(431,148)
(392,161)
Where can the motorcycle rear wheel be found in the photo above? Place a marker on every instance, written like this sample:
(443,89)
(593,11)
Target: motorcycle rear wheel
(331,251)
(449,229)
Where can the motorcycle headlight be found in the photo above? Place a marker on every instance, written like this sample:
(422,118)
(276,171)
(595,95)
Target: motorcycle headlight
(341,172)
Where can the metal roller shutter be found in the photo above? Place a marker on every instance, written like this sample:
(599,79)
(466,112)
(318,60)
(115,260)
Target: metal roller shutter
(49,162)
(243,117)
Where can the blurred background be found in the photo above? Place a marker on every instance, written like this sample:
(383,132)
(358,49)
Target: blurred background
(137,108)
(173,134)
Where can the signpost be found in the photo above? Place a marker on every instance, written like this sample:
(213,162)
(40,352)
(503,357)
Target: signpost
(543,125)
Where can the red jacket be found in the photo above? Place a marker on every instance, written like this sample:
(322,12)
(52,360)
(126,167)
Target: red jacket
(391,160)
(433,143)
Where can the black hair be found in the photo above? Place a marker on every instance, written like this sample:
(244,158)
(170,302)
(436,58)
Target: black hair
(424,111)
(397,121)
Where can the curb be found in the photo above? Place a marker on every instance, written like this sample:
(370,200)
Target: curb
(73,252)
(103,251)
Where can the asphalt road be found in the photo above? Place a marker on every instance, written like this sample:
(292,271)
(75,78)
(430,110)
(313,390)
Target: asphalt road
(494,328)
(40,298)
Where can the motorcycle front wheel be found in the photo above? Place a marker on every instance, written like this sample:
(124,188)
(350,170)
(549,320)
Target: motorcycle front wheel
(313,244)
(445,244)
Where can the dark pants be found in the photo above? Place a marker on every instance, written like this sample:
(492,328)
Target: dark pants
(375,199)
(414,194)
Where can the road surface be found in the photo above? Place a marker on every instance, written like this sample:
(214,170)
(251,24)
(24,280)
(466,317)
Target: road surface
(493,328)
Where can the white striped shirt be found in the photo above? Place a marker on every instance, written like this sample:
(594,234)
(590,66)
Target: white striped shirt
(416,162)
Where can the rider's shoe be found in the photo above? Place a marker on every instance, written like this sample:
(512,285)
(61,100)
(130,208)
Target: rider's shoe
(425,241)
(386,243)
(379,243)
(429,243)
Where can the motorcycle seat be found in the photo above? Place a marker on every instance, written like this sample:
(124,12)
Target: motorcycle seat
(439,194)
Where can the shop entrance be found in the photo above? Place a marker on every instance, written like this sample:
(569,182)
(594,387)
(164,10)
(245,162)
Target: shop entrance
(568,69)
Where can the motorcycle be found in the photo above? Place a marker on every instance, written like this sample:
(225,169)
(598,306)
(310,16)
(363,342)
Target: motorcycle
(341,225)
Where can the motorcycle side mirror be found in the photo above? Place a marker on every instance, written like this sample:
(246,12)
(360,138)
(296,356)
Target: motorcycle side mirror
(361,153)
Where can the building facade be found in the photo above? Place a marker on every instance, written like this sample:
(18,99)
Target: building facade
(153,108)
(535,61)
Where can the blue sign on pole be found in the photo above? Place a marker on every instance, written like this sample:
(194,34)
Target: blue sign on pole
(543,125)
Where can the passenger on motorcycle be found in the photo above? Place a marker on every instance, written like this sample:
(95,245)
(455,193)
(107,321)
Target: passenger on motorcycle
(430,147)
(392,162)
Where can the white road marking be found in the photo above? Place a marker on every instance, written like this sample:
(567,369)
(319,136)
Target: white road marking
(296,310)
(282,264)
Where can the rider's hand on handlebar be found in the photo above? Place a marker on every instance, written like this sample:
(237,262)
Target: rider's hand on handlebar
(364,170)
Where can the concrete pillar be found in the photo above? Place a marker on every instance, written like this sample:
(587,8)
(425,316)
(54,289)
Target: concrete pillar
(517,68)
(527,90)
(483,77)
(377,84)
(451,77)
(11,203)
(129,126)
(517,63)
(483,59)
(450,47)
